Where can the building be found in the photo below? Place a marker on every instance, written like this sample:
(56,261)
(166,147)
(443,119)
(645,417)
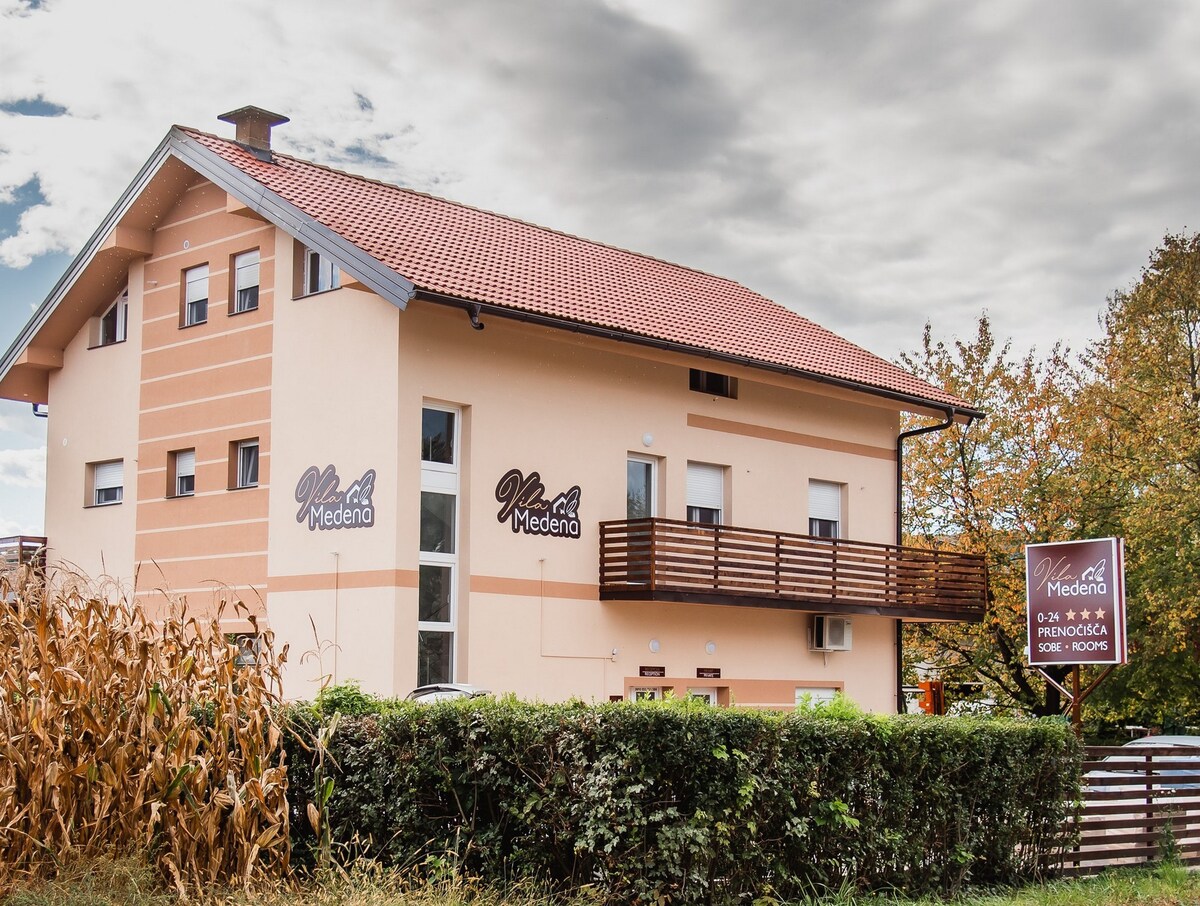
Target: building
(431,442)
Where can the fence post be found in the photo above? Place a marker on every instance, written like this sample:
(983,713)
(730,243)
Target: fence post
(778,558)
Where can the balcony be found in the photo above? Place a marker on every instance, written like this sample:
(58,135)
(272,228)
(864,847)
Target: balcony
(688,562)
(18,550)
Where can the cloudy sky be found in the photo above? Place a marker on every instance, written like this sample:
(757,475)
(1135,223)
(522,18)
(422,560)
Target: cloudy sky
(873,165)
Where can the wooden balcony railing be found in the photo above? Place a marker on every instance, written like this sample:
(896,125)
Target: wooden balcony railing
(16,550)
(670,560)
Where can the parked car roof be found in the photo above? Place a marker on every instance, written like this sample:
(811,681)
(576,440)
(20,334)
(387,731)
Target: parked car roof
(436,692)
(1128,772)
(1158,740)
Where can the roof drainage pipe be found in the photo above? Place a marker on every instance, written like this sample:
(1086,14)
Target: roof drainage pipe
(951,411)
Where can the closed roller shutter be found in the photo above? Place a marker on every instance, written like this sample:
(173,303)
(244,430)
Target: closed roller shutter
(705,485)
(110,474)
(825,501)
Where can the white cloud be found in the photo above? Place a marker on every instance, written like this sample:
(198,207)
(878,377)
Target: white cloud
(18,426)
(871,164)
(23,468)
(10,527)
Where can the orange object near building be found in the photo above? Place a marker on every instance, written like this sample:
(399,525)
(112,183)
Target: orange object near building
(933,697)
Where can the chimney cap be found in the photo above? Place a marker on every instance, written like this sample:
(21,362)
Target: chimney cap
(250,112)
(253,126)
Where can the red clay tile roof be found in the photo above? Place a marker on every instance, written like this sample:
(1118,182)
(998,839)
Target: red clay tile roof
(475,255)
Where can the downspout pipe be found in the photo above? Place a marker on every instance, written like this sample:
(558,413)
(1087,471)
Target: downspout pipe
(950,412)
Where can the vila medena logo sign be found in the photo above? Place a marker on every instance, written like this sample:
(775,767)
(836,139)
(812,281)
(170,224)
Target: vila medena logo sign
(325,507)
(524,506)
(1075,592)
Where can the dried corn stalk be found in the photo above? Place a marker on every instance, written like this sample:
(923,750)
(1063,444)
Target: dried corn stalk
(118,733)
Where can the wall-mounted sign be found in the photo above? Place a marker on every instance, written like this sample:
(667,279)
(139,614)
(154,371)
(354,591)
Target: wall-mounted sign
(323,506)
(523,504)
(1075,592)
(652,671)
(708,673)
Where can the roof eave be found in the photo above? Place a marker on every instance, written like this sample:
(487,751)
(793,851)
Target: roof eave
(84,258)
(955,410)
(372,272)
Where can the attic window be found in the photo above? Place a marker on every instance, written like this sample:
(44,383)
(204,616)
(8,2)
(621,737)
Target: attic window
(114,326)
(712,383)
(320,273)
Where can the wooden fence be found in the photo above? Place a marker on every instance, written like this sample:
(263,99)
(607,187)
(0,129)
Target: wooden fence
(1140,804)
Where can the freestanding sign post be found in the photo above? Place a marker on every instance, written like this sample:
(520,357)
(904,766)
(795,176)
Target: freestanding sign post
(1075,597)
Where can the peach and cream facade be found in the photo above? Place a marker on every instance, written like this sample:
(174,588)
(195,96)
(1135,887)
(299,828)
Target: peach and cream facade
(427,443)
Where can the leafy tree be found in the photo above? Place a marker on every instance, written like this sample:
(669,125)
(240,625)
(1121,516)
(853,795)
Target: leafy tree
(1108,444)
(1141,479)
(991,488)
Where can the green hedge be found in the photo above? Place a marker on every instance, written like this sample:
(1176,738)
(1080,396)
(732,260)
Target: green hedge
(692,803)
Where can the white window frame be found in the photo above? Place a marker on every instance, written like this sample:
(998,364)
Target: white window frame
(645,693)
(321,271)
(825,504)
(652,492)
(817,695)
(245,277)
(193,279)
(443,478)
(243,447)
(120,308)
(184,467)
(248,645)
(449,468)
(103,476)
(706,489)
(708,694)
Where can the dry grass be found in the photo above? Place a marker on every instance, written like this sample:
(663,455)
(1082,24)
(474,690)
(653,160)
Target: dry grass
(130,882)
(118,734)
(102,881)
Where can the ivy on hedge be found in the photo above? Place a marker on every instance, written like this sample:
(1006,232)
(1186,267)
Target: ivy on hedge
(691,803)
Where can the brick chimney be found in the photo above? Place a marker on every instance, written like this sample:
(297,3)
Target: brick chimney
(253,128)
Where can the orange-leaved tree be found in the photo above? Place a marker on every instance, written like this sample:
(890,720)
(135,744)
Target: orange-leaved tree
(991,488)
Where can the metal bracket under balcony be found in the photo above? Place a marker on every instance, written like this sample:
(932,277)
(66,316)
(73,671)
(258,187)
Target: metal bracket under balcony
(690,562)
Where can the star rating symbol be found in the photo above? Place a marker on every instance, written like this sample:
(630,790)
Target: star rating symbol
(1086,614)
(1070,614)
(1099,614)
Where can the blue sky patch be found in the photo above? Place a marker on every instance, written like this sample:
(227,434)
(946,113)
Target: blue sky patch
(25,196)
(33,107)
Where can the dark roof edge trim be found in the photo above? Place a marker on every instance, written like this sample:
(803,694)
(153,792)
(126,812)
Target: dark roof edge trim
(374,274)
(84,258)
(609,333)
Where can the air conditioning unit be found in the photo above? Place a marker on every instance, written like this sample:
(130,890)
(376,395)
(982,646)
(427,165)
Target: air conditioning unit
(830,633)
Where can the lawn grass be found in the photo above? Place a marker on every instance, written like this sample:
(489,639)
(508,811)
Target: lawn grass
(1163,885)
(129,882)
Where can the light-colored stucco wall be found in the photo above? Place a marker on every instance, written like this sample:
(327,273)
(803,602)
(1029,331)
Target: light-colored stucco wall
(571,408)
(92,418)
(337,596)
